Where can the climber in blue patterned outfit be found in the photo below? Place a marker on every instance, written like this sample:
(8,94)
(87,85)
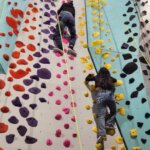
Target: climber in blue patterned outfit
(66,15)
(103,98)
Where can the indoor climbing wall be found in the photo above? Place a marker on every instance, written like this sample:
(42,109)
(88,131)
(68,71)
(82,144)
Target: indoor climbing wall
(113,40)
(44,103)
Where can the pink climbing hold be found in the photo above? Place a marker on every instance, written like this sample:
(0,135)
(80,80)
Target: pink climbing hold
(65,41)
(66,96)
(72,91)
(58,117)
(74,135)
(58,54)
(71,67)
(73,119)
(58,102)
(51,93)
(64,61)
(65,71)
(58,133)
(72,78)
(73,104)
(59,64)
(65,83)
(66,126)
(67,143)
(58,88)
(49,142)
(58,76)
(66,110)
(71,57)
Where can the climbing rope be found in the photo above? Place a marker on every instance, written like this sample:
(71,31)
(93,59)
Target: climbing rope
(70,86)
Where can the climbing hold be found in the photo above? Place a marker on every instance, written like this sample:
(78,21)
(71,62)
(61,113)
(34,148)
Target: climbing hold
(107,66)
(49,142)
(119,83)
(67,143)
(133,133)
(18,87)
(3,127)
(98,50)
(2,84)
(89,121)
(95,129)
(4,109)
(136,148)
(89,66)
(119,96)
(119,140)
(121,111)
(105,55)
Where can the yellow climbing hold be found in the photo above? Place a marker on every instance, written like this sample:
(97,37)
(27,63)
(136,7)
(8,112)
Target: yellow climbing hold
(100,20)
(95,26)
(92,87)
(98,146)
(121,111)
(108,31)
(97,42)
(119,96)
(110,48)
(102,28)
(98,50)
(118,55)
(107,66)
(114,71)
(81,33)
(87,57)
(86,94)
(133,133)
(113,59)
(89,66)
(96,34)
(119,83)
(119,140)
(105,55)
(113,147)
(84,71)
(136,148)
(93,12)
(83,60)
(89,121)
(81,41)
(95,129)
(87,107)
(103,2)
(94,115)
(94,19)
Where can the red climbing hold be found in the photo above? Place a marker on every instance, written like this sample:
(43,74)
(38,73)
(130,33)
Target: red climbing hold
(3,127)
(18,74)
(14,13)
(33,27)
(11,22)
(15,54)
(20,13)
(34,10)
(19,44)
(31,37)
(22,62)
(30,58)
(7,93)
(25,29)
(2,84)
(12,66)
(31,47)
(6,57)
(18,87)
(4,109)
(1,148)
(10,79)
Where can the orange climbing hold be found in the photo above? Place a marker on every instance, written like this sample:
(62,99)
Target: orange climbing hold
(22,62)
(18,74)
(6,57)
(2,84)
(34,10)
(33,27)
(11,22)
(15,54)
(12,66)
(30,58)
(31,47)
(18,87)
(19,44)
(3,127)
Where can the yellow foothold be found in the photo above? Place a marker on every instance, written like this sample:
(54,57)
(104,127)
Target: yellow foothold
(89,66)
(95,129)
(113,59)
(83,60)
(119,83)
(97,42)
(81,41)
(87,107)
(107,66)
(119,140)
(84,45)
(86,94)
(94,19)
(122,147)
(100,20)
(103,2)
(114,71)
(93,12)
(111,48)
(109,40)
(89,121)
(136,148)
(118,55)
(105,55)
(96,34)
(133,133)
(102,28)
(113,147)
(98,146)
(98,50)
(108,31)
(119,96)
(121,111)
(81,33)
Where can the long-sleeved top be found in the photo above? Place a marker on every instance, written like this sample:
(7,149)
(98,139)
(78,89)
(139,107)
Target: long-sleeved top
(67,7)
(91,77)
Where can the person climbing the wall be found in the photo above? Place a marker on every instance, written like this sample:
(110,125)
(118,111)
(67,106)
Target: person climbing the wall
(103,98)
(66,16)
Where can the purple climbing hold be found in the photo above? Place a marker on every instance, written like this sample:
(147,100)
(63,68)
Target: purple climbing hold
(24,112)
(34,90)
(53,12)
(37,65)
(43,85)
(46,31)
(13,120)
(10,138)
(34,77)
(44,50)
(27,82)
(16,102)
(44,60)
(45,40)
(32,122)
(44,73)
(47,7)
(46,14)
(52,29)
(37,54)
(51,36)
(50,47)
(42,100)
(33,106)
(30,140)
(52,20)
(25,96)
(47,22)
(22,130)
